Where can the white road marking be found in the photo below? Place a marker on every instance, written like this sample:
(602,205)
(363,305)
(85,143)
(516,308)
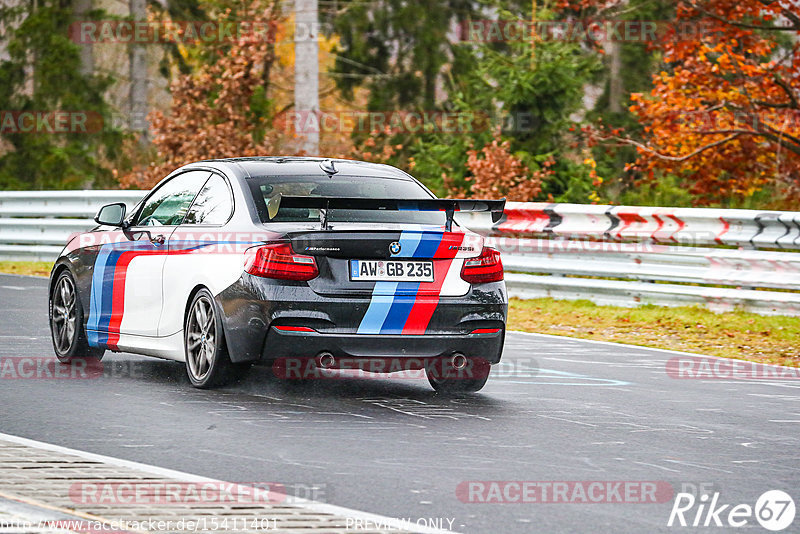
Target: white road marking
(652,363)
(565,419)
(699,466)
(617,346)
(658,467)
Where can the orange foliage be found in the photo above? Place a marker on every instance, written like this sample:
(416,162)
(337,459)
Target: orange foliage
(221,110)
(499,173)
(725,111)
(726,115)
(211,115)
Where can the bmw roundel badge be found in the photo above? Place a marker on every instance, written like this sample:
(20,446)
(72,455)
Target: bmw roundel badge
(395,248)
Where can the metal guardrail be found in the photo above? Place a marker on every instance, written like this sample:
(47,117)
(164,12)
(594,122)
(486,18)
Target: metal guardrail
(647,262)
(627,256)
(688,226)
(618,255)
(630,294)
(34,225)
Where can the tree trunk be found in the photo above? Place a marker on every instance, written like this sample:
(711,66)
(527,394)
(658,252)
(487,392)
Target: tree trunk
(81,10)
(138,76)
(29,88)
(4,56)
(615,85)
(306,75)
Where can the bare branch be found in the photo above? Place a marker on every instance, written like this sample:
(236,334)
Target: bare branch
(789,14)
(783,105)
(789,92)
(782,138)
(783,135)
(793,28)
(676,159)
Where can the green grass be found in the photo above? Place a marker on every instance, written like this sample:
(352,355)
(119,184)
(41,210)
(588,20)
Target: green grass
(34,268)
(741,335)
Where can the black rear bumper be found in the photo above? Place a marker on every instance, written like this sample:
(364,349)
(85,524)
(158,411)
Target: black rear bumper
(252,308)
(280,344)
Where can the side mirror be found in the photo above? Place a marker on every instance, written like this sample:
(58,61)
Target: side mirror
(111,214)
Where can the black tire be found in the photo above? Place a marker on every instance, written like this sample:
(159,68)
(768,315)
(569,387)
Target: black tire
(446,379)
(207,361)
(67,331)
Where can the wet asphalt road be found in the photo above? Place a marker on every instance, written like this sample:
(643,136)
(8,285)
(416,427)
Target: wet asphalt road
(558,410)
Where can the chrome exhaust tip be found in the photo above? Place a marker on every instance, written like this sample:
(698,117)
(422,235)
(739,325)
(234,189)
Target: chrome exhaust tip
(458,361)
(325,360)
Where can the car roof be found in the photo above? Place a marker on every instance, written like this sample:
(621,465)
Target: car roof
(302,166)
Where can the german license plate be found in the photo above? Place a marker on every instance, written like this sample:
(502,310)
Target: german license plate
(391,270)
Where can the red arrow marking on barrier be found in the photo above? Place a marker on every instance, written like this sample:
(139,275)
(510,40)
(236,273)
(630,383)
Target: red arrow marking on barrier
(727,227)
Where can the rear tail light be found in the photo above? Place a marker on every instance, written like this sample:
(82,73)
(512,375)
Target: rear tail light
(482,331)
(294,329)
(279,261)
(485,268)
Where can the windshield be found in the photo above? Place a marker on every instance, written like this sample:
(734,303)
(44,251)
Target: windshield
(264,188)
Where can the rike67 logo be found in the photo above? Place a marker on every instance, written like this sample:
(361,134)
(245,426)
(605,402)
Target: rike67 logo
(774,510)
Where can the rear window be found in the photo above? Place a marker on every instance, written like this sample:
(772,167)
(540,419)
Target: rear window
(264,188)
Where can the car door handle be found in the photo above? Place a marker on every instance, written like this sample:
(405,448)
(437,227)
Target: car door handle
(157,240)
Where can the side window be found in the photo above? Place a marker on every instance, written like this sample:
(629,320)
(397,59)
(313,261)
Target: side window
(213,205)
(167,205)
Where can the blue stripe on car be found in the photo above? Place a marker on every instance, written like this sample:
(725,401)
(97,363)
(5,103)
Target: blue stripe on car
(101,299)
(392,302)
(96,296)
(379,306)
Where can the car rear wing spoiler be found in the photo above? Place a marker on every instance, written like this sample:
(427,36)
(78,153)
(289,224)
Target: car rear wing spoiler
(325,204)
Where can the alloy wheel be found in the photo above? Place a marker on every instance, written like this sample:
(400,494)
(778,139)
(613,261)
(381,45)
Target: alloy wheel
(201,338)
(64,315)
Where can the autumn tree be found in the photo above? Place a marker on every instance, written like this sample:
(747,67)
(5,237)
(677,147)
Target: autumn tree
(221,109)
(497,173)
(724,112)
(532,95)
